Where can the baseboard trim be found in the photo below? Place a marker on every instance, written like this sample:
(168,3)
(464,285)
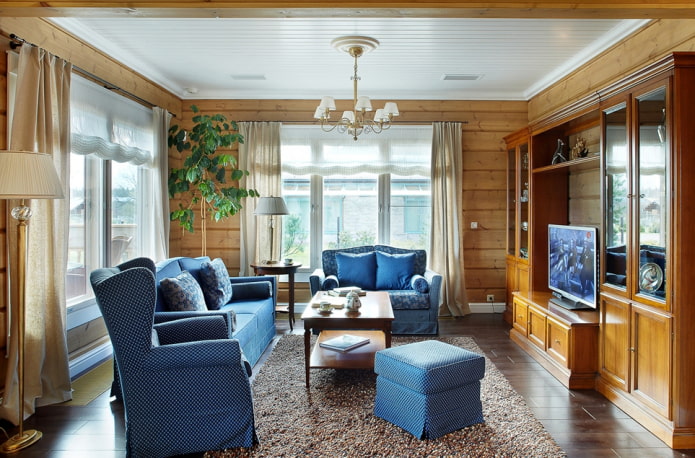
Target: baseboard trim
(88,360)
(487,307)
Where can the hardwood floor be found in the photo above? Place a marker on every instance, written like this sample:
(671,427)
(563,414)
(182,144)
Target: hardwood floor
(583,422)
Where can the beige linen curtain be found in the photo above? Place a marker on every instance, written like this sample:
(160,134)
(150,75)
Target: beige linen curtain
(159,198)
(41,122)
(446,247)
(260,155)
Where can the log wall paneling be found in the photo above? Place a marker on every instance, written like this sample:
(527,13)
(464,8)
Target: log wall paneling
(484,178)
(648,45)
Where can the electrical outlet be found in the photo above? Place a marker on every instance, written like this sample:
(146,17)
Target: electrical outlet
(491,298)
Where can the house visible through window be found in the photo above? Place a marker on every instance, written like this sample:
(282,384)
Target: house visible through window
(343,193)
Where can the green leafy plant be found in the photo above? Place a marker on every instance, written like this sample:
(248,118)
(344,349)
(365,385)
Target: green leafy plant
(208,180)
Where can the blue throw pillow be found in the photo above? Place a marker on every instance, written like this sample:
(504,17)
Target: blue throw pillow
(214,279)
(393,271)
(357,269)
(419,284)
(182,293)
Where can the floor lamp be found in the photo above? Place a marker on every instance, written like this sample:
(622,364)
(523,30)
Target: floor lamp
(271,206)
(25,175)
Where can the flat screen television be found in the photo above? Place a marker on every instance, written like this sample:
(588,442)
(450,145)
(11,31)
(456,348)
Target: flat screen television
(573,266)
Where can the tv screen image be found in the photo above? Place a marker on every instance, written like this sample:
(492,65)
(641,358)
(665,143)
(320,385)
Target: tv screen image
(572,265)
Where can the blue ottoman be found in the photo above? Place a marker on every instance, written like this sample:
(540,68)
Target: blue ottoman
(429,388)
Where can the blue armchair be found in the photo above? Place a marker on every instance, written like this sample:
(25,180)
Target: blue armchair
(179,396)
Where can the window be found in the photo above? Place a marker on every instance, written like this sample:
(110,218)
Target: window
(342,193)
(110,163)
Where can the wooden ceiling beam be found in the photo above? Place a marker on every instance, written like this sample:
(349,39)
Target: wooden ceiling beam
(584,9)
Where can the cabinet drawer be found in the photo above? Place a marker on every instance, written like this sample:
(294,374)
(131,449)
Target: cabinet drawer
(558,341)
(520,316)
(537,327)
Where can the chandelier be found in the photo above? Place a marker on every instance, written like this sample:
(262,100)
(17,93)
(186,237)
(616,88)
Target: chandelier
(355,122)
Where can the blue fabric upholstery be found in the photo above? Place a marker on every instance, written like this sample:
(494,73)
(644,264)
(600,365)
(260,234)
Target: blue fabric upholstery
(182,396)
(252,296)
(394,271)
(429,388)
(183,293)
(415,307)
(215,283)
(357,269)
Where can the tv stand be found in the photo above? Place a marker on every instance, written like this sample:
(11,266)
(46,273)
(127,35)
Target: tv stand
(568,304)
(563,341)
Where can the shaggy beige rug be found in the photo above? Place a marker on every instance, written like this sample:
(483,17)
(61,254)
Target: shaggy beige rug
(334,417)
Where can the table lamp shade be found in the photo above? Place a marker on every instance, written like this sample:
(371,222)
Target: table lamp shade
(271,206)
(28,175)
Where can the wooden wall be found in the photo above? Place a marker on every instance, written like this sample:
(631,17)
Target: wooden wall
(648,45)
(484,175)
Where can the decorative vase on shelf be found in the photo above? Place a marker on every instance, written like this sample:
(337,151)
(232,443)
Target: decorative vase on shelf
(558,156)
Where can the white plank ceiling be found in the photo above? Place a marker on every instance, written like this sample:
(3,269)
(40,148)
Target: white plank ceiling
(272,58)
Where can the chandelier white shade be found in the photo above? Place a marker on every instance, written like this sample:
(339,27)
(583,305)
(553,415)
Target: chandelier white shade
(355,122)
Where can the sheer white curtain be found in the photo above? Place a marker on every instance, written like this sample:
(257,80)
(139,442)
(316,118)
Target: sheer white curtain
(446,245)
(41,122)
(112,127)
(260,155)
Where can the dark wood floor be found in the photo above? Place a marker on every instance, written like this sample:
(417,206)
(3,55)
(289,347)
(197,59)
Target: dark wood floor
(582,422)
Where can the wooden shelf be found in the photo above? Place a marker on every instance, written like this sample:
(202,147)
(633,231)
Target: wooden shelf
(563,165)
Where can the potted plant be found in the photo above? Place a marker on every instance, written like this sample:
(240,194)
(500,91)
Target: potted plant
(207,182)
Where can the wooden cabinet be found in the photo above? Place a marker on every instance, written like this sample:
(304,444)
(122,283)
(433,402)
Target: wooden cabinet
(647,362)
(520,316)
(564,342)
(636,185)
(518,201)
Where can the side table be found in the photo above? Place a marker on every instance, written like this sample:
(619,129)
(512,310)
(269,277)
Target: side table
(280,268)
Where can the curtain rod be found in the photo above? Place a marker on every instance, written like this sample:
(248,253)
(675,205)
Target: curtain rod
(17,42)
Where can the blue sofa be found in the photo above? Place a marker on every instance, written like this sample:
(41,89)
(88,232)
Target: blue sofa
(253,313)
(415,301)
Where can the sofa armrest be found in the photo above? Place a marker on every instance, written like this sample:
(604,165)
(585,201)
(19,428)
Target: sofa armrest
(316,280)
(435,281)
(260,278)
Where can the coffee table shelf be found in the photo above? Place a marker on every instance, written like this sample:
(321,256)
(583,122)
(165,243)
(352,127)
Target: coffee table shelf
(357,358)
(373,320)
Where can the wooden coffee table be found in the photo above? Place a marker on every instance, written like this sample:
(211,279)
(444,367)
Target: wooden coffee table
(373,321)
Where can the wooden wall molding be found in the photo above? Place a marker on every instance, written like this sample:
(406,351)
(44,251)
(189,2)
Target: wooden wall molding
(587,9)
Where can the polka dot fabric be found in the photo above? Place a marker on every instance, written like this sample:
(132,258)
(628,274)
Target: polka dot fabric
(429,388)
(185,397)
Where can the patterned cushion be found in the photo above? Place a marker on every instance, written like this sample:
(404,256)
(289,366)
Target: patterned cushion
(393,271)
(419,284)
(182,293)
(357,269)
(214,279)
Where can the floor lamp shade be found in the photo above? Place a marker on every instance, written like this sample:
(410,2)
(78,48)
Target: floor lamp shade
(25,175)
(271,206)
(28,175)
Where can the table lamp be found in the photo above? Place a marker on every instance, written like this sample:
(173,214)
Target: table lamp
(271,206)
(25,175)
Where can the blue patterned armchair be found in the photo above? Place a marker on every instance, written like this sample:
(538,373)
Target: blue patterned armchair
(181,394)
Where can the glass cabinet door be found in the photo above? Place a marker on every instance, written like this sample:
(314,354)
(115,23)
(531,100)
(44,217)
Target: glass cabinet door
(616,216)
(524,193)
(652,192)
(511,202)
